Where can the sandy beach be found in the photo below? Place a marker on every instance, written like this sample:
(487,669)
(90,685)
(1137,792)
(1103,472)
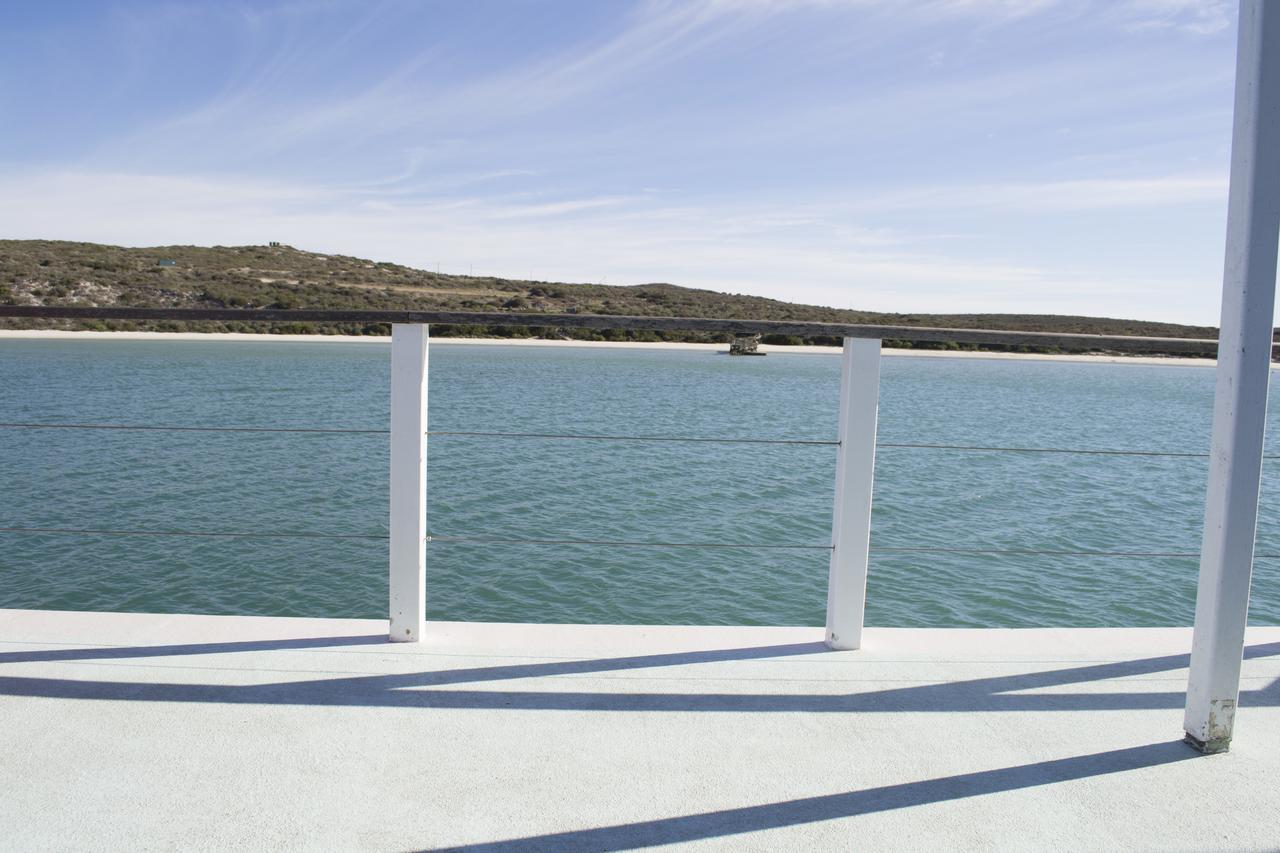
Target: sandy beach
(233,337)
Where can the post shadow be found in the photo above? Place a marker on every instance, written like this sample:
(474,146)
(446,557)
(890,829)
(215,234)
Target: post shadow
(727,822)
(413,690)
(74,653)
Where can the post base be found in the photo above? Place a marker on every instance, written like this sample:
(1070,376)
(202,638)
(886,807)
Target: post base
(838,645)
(1213,746)
(405,634)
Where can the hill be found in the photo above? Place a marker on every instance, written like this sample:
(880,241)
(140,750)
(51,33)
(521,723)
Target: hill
(49,272)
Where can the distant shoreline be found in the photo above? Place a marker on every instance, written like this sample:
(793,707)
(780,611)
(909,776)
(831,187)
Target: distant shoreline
(230,337)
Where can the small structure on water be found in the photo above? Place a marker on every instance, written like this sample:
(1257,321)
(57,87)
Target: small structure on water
(745,345)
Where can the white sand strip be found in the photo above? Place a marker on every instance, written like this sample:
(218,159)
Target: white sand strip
(49,334)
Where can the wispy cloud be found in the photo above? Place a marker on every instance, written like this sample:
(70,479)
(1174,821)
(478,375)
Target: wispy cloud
(1089,194)
(414,94)
(1007,9)
(559,208)
(1198,17)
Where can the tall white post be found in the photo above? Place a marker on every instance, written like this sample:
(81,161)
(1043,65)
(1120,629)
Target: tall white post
(1240,400)
(407,585)
(855,469)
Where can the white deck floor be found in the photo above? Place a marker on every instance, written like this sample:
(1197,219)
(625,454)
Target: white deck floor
(194,732)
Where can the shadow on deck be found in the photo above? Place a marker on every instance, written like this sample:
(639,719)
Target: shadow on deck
(439,689)
(413,690)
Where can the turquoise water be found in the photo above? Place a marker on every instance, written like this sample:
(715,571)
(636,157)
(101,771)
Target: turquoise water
(523,488)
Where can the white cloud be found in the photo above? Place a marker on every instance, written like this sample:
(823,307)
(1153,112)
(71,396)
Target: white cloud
(921,8)
(1199,17)
(559,208)
(1202,17)
(1081,194)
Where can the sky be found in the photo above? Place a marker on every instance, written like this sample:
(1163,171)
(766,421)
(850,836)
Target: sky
(1014,156)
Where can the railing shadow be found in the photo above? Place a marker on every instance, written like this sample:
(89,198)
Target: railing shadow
(727,822)
(75,653)
(417,689)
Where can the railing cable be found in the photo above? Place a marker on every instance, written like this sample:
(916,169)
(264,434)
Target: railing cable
(197,533)
(1072,450)
(432,433)
(659,438)
(881,548)
(1027,552)
(495,540)
(132,427)
(632,437)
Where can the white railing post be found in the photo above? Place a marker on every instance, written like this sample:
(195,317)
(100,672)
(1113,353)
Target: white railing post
(855,469)
(408,532)
(1240,398)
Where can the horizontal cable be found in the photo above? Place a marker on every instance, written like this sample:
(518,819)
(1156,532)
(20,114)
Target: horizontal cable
(613,542)
(884,548)
(192,429)
(490,540)
(1084,451)
(634,437)
(431,433)
(201,533)
(589,437)
(1023,552)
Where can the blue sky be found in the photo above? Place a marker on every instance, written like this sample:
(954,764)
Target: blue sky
(936,156)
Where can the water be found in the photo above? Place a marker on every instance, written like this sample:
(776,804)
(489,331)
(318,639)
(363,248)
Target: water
(518,488)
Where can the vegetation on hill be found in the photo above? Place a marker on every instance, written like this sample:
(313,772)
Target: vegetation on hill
(49,272)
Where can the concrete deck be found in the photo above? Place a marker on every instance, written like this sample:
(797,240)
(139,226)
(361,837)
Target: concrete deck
(142,732)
